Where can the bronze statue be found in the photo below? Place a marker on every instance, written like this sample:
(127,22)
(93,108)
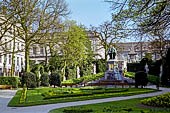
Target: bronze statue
(112,53)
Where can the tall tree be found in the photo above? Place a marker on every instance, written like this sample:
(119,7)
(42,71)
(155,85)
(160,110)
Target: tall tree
(33,18)
(76,47)
(109,33)
(147,15)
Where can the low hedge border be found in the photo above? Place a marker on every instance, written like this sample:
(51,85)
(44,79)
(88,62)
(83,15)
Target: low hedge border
(158,101)
(56,94)
(77,110)
(9,81)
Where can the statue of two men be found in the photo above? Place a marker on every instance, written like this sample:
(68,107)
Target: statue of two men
(112,53)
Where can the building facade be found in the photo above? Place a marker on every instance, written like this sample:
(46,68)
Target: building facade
(6,52)
(135,51)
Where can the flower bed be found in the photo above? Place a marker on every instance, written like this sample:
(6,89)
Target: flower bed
(80,92)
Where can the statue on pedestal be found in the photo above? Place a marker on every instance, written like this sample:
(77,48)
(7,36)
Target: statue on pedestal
(112,53)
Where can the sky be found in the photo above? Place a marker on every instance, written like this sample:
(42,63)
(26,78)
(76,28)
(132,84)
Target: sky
(89,12)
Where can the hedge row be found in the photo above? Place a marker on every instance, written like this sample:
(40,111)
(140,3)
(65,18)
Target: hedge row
(79,92)
(77,110)
(151,78)
(87,78)
(9,81)
(159,101)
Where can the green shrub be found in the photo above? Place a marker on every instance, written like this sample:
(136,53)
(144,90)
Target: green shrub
(100,65)
(153,79)
(91,88)
(29,79)
(77,110)
(55,79)
(113,109)
(9,81)
(141,79)
(159,101)
(130,74)
(44,79)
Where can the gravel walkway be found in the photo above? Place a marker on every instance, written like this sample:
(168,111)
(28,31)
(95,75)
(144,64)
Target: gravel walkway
(6,95)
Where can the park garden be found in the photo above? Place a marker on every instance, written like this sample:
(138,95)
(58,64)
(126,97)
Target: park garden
(57,79)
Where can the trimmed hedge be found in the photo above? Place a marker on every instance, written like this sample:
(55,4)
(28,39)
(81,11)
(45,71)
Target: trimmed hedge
(87,78)
(80,92)
(55,79)
(159,101)
(9,81)
(141,79)
(151,78)
(44,79)
(77,110)
(29,79)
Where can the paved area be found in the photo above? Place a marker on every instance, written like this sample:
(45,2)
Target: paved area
(6,95)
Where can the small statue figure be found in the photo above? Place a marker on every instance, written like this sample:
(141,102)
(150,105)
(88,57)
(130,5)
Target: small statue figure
(111,52)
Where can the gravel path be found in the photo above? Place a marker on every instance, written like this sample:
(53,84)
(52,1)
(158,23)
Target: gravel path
(6,95)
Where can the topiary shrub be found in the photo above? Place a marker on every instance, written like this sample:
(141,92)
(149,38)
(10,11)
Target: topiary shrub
(55,79)
(44,79)
(141,79)
(29,79)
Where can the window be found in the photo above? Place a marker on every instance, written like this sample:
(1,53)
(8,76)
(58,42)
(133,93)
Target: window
(94,45)
(42,51)
(0,59)
(34,50)
(10,59)
(18,61)
(22,46)
(21,61)
(17,46)
(5,58)
(6,43)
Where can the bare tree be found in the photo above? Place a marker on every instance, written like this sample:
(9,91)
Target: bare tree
(34,17)
(109,33)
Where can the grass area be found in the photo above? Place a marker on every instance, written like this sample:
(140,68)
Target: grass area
(34,96)
(123,106)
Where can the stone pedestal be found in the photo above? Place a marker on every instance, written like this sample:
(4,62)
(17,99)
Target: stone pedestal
(109,74)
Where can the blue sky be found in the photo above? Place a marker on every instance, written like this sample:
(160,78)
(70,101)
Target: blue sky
(88,12)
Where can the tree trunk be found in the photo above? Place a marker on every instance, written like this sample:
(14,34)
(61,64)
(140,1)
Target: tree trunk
(13,56)
(27,69)
(64,70)
(141,50)
(105,55)
(46,55)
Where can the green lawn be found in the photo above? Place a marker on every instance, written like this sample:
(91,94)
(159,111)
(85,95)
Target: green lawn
(115,107)
(34,96)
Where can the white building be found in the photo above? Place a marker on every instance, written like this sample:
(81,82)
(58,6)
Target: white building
(6,55)
(96,46)
(6,49)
